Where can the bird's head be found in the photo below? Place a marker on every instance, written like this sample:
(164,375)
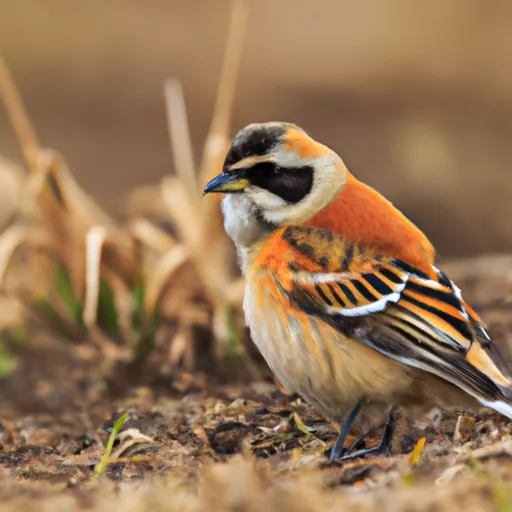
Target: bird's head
(275,174)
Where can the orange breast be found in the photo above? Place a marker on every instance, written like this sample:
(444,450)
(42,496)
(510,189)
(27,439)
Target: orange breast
(361,214)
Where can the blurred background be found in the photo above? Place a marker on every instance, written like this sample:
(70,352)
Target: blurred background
(415,96)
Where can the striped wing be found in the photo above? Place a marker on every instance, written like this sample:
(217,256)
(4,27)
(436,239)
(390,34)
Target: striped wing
(418,318)
(350,294)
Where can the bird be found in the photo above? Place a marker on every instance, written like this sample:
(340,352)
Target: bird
(343,297)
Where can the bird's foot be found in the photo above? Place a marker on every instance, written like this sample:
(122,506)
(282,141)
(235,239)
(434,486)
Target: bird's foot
(338,450)
(383,449)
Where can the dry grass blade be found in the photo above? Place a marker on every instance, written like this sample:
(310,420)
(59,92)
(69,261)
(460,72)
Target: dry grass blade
(18,116)
(150,235)
(162,275)
(15,237)
(219,133)
(93,246)
(182,211)
(146,201)
(10,240)
(132,440)
(59,186)
(209,260)
(12,178)
(180,347)
(179,135)
(61,216)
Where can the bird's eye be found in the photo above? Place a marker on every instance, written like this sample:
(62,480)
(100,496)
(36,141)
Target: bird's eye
(289,184)
(265,169)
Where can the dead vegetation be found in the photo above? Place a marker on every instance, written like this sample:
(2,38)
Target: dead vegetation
(125,287)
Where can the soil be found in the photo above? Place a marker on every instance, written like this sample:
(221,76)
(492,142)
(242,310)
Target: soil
(190,444)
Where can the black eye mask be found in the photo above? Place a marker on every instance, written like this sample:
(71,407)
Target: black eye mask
(292,185)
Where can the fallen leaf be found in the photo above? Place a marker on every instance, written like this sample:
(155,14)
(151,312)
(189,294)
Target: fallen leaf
(415,456)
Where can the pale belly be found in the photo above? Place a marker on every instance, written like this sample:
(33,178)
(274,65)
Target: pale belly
(311,358)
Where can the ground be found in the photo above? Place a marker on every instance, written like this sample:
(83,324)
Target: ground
(192,445)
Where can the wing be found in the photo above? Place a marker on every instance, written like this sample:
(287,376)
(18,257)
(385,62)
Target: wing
(416,316)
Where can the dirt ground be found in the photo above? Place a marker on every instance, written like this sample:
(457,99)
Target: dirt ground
(192,445)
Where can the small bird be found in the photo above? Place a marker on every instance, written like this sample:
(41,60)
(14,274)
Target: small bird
(342,297)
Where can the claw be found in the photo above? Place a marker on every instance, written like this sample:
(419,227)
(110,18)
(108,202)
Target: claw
(384,447)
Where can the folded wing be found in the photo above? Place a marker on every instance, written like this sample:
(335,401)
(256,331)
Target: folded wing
(416,316)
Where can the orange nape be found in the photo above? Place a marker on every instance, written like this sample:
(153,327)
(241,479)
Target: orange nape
(360,214)
(304,146)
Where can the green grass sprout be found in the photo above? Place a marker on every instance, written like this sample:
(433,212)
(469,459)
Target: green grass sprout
(100,469)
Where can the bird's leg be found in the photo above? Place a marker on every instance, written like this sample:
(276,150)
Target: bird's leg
(360,442)
(337,449)
(384,447)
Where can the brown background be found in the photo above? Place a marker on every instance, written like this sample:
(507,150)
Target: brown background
(416,96)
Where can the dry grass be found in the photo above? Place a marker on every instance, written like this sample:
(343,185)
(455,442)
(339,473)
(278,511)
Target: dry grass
(125,287)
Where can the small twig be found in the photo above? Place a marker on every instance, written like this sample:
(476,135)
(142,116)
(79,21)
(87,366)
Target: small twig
(100,469)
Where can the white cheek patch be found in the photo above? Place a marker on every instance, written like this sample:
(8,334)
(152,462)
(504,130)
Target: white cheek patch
(265,200)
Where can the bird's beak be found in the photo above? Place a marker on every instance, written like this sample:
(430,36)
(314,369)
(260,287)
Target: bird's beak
(235,181)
